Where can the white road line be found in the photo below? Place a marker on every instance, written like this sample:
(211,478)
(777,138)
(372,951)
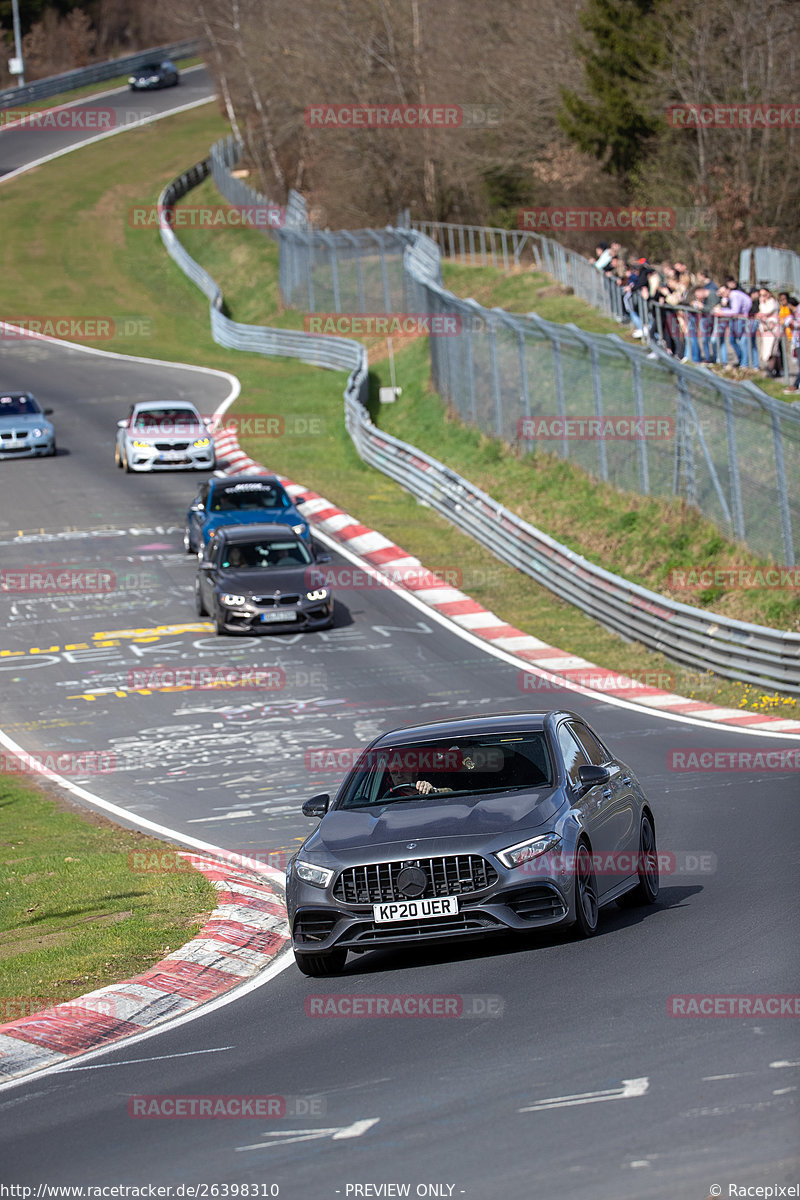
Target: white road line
(89,98)
(629,1089)
(126,1062)
(100,137)
(285,1137)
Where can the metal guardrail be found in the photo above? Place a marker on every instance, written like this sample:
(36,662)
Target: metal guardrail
(778,270)
(54,85)
(735,649)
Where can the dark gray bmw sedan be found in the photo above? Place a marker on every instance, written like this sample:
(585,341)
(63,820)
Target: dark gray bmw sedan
(468,828)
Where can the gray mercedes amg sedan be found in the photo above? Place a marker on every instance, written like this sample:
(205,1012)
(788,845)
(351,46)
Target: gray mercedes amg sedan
(468,828)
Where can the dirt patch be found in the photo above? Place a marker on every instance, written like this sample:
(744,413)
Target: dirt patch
(26,944)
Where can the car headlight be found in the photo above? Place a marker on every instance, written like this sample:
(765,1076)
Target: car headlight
(131,79)
(232,601)
(299,528)
(201,443)
(144,446)
(38,432)
(318,876)
(515,856)
(319,594)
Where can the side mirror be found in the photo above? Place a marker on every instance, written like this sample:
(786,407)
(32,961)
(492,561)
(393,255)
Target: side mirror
(121,424)
(205,565)
(590,775)
(198,506)
(48,412)
(300,500)
(317,806)
(321,556)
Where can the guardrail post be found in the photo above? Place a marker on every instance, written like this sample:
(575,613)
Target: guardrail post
(737,511)
(597,390)
(641,444)
(524,393)
(558,378)
(683,477)
(498,397)
(783,498)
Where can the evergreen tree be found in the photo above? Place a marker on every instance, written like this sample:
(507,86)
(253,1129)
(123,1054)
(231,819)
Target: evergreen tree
(623,46)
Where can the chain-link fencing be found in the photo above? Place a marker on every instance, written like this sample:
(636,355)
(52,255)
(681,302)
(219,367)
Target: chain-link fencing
(644,424)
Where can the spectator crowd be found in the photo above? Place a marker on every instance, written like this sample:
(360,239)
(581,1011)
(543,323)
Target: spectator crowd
(692,317)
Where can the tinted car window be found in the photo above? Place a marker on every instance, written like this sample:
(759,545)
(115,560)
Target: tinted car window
(260,555)
(460,766)
(592,748)
(244,497)
(18,406)
(165,420)
(572,753)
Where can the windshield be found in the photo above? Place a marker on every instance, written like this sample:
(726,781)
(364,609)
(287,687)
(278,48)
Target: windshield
(165,420)
(454,766)
(18,406)
(248,497)
(262,555)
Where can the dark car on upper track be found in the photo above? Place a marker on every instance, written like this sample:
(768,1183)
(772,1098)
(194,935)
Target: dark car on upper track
(154,75)
(468,828)
(241,500)
(25,431)
(258,580)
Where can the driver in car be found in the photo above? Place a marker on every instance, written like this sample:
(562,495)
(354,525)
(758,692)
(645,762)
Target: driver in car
(403,775)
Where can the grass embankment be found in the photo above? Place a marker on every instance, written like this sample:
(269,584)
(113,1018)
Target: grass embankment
(525,290)
(110,268)
(74,913)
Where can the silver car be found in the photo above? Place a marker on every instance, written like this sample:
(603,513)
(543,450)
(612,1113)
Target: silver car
(162,436)
(24,430)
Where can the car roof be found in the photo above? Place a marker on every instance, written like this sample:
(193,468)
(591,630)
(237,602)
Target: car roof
(269,531)
(234,481)
(17,395)
(147,405)
(495,723)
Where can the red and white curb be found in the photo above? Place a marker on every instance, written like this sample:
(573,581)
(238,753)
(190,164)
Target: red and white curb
(407,572)
(243,935)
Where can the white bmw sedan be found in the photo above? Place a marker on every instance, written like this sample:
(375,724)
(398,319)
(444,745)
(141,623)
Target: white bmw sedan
(158,436)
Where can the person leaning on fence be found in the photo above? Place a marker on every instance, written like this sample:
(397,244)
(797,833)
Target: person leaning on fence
(794,352)
(769,331)
(698,327)
(602,255)
(634,292)
(735,306)
(788,304)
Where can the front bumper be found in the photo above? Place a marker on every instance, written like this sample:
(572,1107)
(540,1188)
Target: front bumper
(314,616)
(185,460)
(40,448)
(507,907)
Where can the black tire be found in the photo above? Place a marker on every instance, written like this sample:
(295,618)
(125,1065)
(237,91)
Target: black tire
(587,909)
(646,890)
(125,463)
(219,629)
(187,542)
(199,607)
(117,458)
(53,452)
(318,965)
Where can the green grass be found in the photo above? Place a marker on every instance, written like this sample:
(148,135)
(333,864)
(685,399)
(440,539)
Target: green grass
(74,915)
(81,257)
